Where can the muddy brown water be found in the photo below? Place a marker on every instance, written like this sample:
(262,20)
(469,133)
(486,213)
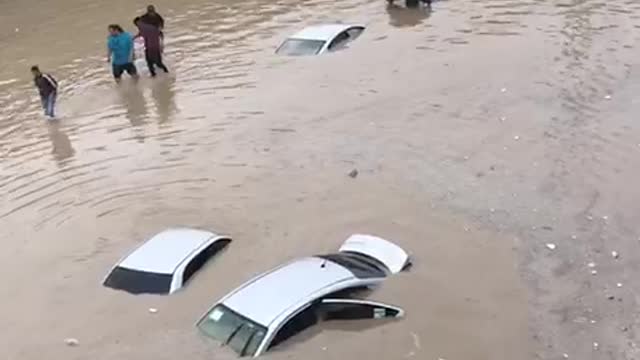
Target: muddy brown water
(481,131)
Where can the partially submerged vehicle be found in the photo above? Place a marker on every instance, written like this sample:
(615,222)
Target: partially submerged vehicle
(164,263)
(277,304)
(318,39)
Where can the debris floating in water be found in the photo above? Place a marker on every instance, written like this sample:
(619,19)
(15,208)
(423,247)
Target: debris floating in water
(353,173)
(153,310)
(503,118)
(619,285)
(565,355)
(596,346)
(551,246)
(591,264)
(608,97)
(574,237)
(594,272)
(503,90)
(615,254)
(71,342)
(516,137)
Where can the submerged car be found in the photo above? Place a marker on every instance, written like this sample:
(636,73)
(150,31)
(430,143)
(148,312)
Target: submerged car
(276,305)
(164,263)
(319,39)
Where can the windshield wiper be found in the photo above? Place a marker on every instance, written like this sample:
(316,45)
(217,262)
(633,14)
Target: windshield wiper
(233,333)
(246,345)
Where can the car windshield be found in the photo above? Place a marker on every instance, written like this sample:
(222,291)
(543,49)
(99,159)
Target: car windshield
(241,334)
(138,282)
(298,47)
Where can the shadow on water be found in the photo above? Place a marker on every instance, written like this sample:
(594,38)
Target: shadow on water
(164,94)
(61,145)
(407,16)
(134,102)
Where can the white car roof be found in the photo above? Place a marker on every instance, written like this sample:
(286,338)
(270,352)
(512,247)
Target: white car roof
(324,32)
(264,299)
(164,252)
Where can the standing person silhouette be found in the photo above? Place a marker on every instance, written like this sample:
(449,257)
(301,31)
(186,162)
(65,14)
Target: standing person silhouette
(152,17)
(152,45)
(48,89)
(120,52)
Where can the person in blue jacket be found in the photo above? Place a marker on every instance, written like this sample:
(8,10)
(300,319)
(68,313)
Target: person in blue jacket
(120,52)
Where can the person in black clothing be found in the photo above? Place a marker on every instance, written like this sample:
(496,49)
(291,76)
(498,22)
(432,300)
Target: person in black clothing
(48,89)
(152,45)
(151,17)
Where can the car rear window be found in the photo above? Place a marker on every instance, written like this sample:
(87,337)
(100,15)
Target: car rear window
(138,282)
(362,266)
(299,47)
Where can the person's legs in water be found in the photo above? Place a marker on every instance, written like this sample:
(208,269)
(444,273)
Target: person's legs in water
(151,61)
(154,58)
(50,105)
(117,72)
(160,64)
(43,99)
(130,68)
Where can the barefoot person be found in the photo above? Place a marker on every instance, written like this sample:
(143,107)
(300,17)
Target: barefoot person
(152,47)
(120,52)
(48,89)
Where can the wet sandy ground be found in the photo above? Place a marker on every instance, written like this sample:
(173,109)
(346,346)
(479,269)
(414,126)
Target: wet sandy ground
(481,131)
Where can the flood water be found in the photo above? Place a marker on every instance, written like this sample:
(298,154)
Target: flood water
(481,131)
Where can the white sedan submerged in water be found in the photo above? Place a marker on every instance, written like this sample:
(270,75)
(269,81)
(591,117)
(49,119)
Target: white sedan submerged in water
(284,301)
(319,39)
(164,263)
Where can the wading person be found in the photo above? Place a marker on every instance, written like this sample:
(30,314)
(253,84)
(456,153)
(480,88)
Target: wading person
(152,18)
(120,52)
(152,47)
(48,89)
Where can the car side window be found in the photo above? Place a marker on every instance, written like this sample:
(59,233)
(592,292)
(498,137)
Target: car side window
(199,260)
(296,324)
(339,41)
(346,309)
(354,32)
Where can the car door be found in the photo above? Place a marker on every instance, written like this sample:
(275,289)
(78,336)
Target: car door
(339,41)
(347,309)
(304,319)
(198,261)
(354,32)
